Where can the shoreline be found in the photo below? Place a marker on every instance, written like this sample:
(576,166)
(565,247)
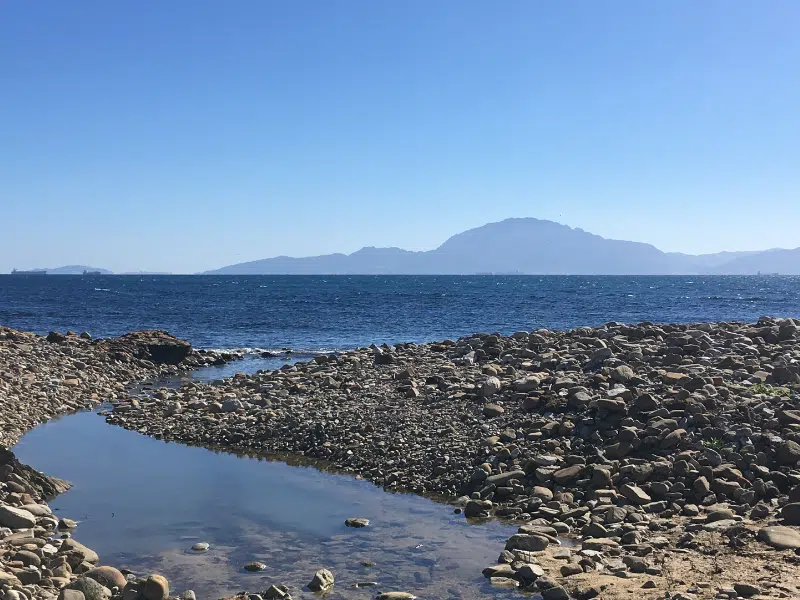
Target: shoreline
(643,444)
(43,378)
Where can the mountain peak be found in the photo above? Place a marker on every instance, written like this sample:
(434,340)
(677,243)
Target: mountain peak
(525,245)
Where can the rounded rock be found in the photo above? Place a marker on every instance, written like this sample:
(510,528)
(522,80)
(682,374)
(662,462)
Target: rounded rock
(107,576)
(156,588)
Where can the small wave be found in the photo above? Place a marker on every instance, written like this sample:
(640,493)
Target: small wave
(255,351)
(102,290)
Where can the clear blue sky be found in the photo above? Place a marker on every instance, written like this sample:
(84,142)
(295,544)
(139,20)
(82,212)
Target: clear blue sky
(184,135)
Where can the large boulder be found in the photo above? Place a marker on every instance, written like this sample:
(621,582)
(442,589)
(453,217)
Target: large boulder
(16,518)
(791,514)
(107,576)
(89,555)
(159,347)
(156,588)
(91,589)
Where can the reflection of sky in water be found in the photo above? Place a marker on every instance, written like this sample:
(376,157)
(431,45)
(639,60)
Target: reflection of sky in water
(249,363)
(143,502)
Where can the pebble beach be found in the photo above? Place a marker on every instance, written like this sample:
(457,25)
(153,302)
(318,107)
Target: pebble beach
(644,460)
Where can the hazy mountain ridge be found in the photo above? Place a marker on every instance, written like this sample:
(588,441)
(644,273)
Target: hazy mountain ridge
(531,246)
(73,270)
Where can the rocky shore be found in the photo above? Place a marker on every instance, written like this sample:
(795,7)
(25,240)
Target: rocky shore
(42,378)
(638,460)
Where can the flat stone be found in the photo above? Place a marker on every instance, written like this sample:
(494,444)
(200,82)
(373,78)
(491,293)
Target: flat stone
(532,543)
(635,494)
(504,582)
(780,537)
(501,570)
(493,410)
(566,474)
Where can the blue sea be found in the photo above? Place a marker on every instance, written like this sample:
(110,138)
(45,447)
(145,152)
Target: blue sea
(324,313)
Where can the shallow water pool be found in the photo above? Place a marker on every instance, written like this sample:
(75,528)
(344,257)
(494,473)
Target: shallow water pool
(142,503)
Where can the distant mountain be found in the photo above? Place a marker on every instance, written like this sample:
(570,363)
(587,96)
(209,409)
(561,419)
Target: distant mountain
(75,270)
(528,245)
(783,262)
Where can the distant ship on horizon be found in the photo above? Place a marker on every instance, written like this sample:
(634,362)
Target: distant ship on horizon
(85,272)
(29,272)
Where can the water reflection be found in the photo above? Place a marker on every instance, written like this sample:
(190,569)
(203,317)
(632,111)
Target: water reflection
(142,503)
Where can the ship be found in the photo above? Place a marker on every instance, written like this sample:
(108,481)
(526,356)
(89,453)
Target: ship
(85,272)
(29,272)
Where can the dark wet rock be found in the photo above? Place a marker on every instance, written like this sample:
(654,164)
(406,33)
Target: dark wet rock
(746,589)
(477,508)
(555,593)
(357,522)
(158,347)
(255,566)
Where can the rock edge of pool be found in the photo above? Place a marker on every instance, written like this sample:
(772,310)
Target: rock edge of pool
(665,456)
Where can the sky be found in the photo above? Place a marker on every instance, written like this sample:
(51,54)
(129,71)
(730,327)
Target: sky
(186,135)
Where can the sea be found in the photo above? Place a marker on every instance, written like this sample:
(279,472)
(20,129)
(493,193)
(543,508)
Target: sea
(142,503)
(330,313)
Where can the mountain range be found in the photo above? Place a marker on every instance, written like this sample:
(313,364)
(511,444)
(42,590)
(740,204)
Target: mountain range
(527,246)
